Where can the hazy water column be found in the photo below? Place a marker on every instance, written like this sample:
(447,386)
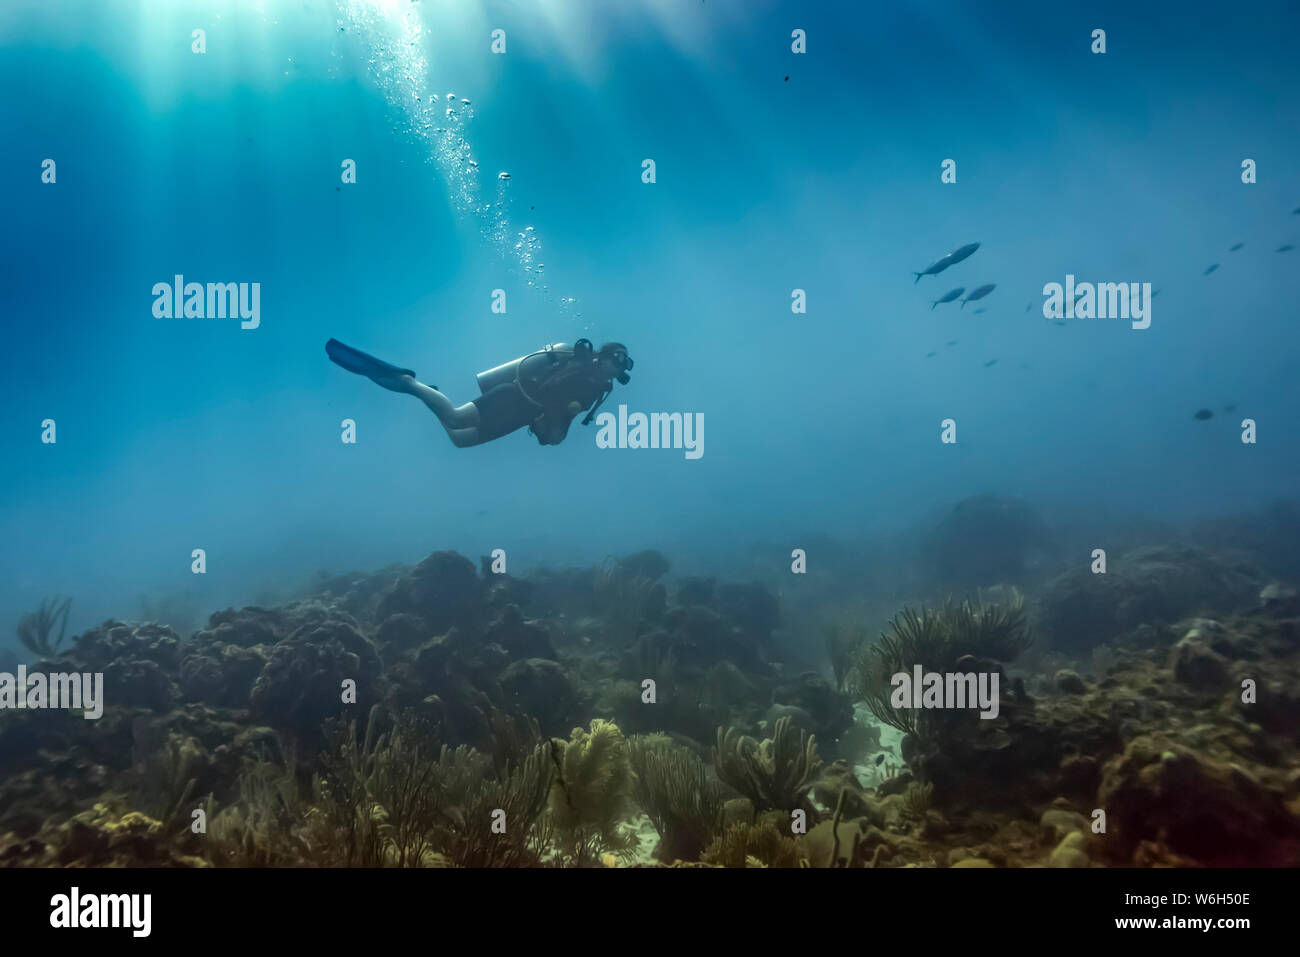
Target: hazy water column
(391,42)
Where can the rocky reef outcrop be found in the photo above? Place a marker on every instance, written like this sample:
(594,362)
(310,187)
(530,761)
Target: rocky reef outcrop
(986,540)
(1149,585)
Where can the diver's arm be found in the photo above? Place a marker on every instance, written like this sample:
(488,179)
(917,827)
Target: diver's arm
(552,426)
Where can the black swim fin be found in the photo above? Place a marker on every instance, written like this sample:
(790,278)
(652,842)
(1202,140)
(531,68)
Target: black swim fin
(362,363)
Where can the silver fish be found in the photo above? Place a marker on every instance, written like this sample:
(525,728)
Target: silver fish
(943,262)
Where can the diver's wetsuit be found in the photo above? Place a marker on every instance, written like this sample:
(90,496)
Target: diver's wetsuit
(501,410)
(505,408)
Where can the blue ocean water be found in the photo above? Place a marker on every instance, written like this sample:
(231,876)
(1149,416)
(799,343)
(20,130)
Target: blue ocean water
(225,166)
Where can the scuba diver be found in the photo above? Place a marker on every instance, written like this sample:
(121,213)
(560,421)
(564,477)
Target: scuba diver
(543,390)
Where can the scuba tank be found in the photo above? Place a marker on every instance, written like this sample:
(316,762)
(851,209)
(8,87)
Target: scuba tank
(491,378)
(528,370)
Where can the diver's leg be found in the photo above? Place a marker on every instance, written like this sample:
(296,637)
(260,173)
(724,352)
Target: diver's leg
(464,438)
(454,417)
(460,421)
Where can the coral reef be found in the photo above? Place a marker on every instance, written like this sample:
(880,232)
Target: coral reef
(590,796)
(959,637)
(300,686)
(776,773)
(1215,812)
(448,716)
(674,787)
(753,845)
(35,628)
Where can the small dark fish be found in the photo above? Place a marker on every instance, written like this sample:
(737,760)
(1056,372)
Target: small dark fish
(786,80)
(991,362)
(948,296)
(943,262)
(1285,248)
(978,311)
(1029,306)
(1230,408)
(1295,211)
(880,758)
(1211,269)
(931,355)
(952,342)
(1203,414)
(979,292)
(1155,293)
(1233,248)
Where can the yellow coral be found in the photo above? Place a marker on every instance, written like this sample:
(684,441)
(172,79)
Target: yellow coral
(590,796)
